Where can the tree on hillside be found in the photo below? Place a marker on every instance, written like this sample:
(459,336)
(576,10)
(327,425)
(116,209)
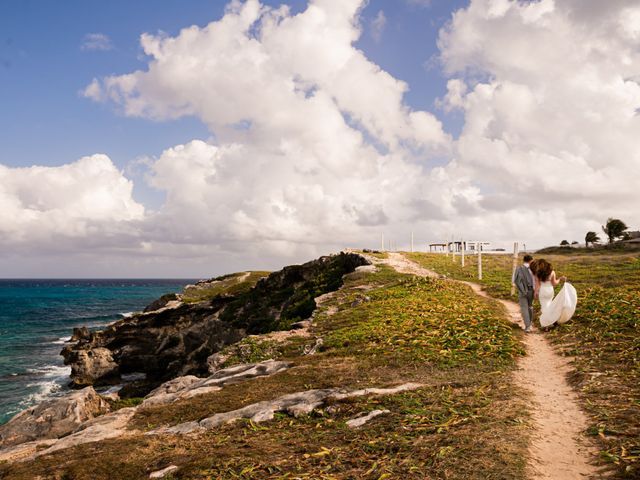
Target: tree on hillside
(591,238)
(564,243)
(614,228)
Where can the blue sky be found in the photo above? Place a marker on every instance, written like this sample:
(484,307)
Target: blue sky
(520,124)
(44,121)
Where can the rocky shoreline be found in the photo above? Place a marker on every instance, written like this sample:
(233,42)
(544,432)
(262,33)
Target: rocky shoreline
(173,348)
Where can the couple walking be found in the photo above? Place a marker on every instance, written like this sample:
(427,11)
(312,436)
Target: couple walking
(537,279)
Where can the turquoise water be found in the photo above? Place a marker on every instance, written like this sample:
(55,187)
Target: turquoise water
(38,316)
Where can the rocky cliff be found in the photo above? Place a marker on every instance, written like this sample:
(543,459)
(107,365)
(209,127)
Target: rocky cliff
(176,334)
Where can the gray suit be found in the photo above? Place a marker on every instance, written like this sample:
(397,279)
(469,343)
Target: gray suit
(523,279)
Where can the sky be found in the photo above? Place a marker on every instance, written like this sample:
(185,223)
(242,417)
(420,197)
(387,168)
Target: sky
(187,139)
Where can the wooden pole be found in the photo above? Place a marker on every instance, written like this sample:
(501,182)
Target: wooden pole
(515,265)
(463,248)
(382,242)
(446,247)
(479,260)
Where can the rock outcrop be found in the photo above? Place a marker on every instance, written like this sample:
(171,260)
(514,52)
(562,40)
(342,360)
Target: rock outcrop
(32,435)
(190,386)
(176,338)
(294,404)
(53,418)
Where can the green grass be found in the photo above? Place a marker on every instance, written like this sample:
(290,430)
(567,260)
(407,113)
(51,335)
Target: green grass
(125,402)
(602,337)
(426,320)
(232,284)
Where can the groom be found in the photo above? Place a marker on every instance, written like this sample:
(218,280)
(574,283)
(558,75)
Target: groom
(523,280)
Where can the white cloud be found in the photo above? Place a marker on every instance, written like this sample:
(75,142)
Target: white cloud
(314,142)
(56,208)
(378,25)
(96,41)
(550,111)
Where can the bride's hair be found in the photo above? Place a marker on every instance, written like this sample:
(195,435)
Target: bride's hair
(543,270)
(533,266)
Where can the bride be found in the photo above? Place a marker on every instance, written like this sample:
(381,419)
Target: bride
(559,309)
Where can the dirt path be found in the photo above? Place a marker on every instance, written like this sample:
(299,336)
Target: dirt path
(558,450)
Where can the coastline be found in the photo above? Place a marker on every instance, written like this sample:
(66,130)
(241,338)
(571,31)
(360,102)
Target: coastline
(37,317)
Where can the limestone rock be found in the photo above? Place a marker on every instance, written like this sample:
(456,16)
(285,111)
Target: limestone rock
(53,418)
(81,333)
(367,269)
(86,365)
(161,302)
(295,404)
(101,428)
(313,349)
(164,472)
(362,419)
(190,386)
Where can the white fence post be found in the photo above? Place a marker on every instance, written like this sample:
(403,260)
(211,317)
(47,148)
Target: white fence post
(463,248)
(479,260)
(453,250)
(515,265)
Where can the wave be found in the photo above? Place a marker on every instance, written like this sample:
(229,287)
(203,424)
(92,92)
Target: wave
(50,382)
(127,314)
(61,341)
(45,391)
(51,371)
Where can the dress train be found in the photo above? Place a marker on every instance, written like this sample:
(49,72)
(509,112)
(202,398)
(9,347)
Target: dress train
(559,309)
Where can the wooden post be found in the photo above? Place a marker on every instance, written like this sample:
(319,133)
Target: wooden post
(446,247)
(382,249)
(462,253)
(479,260)
(515,265)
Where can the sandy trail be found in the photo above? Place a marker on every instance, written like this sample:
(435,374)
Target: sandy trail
(559,450)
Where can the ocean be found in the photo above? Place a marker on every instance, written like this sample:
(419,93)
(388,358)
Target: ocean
(37,318)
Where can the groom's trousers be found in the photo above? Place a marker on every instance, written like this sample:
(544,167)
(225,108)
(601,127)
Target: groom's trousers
(526,307)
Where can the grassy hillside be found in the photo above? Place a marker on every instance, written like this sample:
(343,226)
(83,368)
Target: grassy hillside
(232,284)
(381,329)
(603,337)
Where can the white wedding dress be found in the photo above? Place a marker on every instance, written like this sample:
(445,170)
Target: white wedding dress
(559,309)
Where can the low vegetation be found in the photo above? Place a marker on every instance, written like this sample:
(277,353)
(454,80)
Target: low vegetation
(381,329)
(602,337)
(232,284)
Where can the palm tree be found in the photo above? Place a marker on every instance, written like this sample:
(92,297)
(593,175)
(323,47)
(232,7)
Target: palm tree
(591,238)
(614,229)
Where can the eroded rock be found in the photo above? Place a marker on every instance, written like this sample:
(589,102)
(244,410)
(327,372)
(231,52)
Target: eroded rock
(164,472)
(190,386)
(100,428)
(295,404)
(53,418)
(360,420)
(89,364)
